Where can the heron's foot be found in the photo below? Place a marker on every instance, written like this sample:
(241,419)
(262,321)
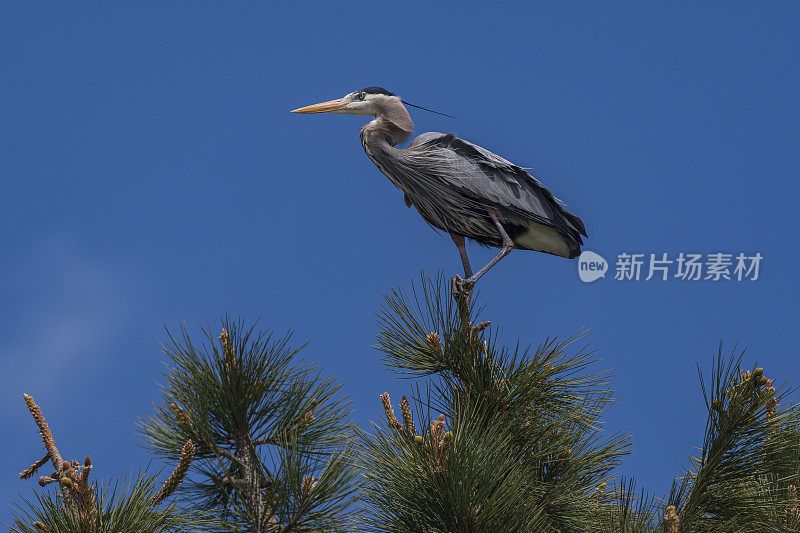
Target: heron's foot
(462,292)
(462,287)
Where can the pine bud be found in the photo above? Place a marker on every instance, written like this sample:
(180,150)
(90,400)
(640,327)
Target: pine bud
(180,413)
(672,519)
(309,416)
(408,420)
(434,342)
(391,418)
(482,326)
(176,477)
(307,485)
(224,337)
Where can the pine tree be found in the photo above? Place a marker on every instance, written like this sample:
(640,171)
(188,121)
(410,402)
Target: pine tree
(748,470)
(83,506)
(516,444)
(510,439)
(271,435)
(495,438)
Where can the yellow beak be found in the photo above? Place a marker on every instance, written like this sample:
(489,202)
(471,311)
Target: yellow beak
(325,107)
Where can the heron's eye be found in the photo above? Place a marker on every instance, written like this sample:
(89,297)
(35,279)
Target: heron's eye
(360,96)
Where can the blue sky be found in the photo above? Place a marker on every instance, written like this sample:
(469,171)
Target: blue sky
(153,175)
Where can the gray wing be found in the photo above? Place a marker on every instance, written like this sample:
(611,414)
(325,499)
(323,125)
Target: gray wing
(485,176)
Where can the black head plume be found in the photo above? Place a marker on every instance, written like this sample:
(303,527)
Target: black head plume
(381,90)
(428,110)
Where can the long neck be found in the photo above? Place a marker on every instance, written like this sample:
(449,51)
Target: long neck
(392,124)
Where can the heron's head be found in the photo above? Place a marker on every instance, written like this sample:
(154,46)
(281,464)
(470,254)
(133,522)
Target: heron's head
(368,101)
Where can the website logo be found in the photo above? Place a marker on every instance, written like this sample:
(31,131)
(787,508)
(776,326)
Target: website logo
(715,267)
(591,267)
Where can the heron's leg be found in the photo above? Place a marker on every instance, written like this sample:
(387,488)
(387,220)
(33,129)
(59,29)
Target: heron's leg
(508,245)
(462,250)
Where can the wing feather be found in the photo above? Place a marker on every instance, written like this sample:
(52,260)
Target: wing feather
(484,175)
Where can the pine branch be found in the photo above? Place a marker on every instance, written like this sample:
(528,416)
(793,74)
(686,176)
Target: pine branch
(259,420)
(31,470)
(516,446)
(121,507)
(749,459)
(82,507)
(44,430)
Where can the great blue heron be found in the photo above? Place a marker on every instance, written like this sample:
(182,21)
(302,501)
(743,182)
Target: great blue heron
(459,187)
